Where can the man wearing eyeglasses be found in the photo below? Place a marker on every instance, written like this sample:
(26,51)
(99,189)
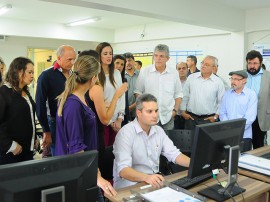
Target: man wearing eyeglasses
(203,92)
(259,81)
(240,102)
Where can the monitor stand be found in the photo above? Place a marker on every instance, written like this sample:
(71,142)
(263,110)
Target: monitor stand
(219,193)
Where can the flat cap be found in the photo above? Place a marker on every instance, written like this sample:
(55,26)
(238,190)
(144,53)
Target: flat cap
(242,73)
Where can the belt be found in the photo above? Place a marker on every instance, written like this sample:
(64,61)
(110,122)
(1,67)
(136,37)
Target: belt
(201,116)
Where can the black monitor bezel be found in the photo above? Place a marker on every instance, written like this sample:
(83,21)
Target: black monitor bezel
(200,155)
(24,181)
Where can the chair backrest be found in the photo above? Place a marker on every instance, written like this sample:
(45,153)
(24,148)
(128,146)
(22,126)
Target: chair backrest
(182,139)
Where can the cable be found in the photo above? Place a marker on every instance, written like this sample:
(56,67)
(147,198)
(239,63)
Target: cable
(225,190)
(260,39)
(241,192)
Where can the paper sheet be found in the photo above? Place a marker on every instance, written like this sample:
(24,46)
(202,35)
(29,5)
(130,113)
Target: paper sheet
(169,195)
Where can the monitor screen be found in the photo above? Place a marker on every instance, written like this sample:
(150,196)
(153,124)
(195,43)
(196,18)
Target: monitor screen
(208,151)
(67,178)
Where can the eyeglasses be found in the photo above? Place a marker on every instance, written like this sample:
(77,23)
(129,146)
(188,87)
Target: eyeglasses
(235,79)
(206,64)
(253,63)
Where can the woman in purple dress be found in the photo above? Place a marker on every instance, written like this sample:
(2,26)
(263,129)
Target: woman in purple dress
(76,129)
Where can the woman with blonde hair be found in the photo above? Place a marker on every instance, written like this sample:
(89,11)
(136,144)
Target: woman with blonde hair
(76,129)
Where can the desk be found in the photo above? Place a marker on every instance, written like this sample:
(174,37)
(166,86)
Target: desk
(256,152)
(255,190)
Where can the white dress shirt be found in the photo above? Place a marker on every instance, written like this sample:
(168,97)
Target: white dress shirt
(202,96)
(165,86)
(135,149)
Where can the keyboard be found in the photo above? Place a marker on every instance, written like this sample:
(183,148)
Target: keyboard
(266,156)
(187,182)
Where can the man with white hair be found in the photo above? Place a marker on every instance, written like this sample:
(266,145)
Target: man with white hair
(203,92)
(163,82)
(51,83)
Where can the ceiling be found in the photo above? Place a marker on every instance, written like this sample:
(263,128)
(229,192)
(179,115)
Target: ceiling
(41,11)
(245,4)
(69,11)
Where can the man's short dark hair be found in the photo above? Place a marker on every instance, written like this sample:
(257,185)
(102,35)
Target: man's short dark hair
(193,58)
(254,54)
(128,55)
(90,52)
(144,98)
(121,57)
(139,62)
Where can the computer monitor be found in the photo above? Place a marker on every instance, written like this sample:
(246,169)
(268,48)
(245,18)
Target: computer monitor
(216,145)
(69,178)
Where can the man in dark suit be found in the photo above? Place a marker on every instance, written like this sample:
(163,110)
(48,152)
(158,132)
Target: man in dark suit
(259,81)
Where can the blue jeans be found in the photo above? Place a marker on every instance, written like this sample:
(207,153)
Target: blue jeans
(100,196)
(52,125)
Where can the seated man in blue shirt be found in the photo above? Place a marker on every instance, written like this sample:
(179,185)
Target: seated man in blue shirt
(240,102)
(139,144)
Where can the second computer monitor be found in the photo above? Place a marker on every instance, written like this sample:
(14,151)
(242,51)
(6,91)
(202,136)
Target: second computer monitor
(208,151)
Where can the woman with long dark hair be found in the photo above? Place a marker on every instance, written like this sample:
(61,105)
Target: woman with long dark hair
(17,113)
(110,79)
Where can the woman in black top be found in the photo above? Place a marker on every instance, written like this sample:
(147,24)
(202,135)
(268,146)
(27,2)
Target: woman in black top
(17,113)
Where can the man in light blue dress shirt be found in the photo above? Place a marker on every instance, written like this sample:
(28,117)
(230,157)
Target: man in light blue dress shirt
(138,146)
(240,102)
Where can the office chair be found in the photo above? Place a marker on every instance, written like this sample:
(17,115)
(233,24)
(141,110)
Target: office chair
(182,139)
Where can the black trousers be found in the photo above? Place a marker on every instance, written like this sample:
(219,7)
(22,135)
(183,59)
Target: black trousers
(10,158)
(179,122)
(247,145)
(257,135)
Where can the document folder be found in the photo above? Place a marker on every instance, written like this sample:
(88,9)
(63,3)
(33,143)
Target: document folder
(255,164)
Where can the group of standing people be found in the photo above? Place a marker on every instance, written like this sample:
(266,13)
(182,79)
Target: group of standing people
(73,106)
(206,101)
(83,109)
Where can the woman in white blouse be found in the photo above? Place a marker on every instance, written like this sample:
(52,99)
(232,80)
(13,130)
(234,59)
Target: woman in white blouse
(110,79)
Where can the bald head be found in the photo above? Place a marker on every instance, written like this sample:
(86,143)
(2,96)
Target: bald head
(66,57)
(182,69)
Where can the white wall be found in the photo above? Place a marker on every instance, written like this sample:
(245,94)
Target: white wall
(14,47)
(228,47)
(24,28)
(162,30)
(257,20)
(258,37)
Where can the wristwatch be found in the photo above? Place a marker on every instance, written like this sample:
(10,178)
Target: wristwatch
(121,115)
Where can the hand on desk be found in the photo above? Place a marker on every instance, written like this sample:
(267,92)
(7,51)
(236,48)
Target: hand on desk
(106,186)
(155,180)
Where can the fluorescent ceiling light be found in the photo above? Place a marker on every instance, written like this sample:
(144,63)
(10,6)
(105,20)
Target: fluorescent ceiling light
(86,21)
(5,9)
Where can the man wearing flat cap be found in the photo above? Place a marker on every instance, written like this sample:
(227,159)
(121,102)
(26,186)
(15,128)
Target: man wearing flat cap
(240,102)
